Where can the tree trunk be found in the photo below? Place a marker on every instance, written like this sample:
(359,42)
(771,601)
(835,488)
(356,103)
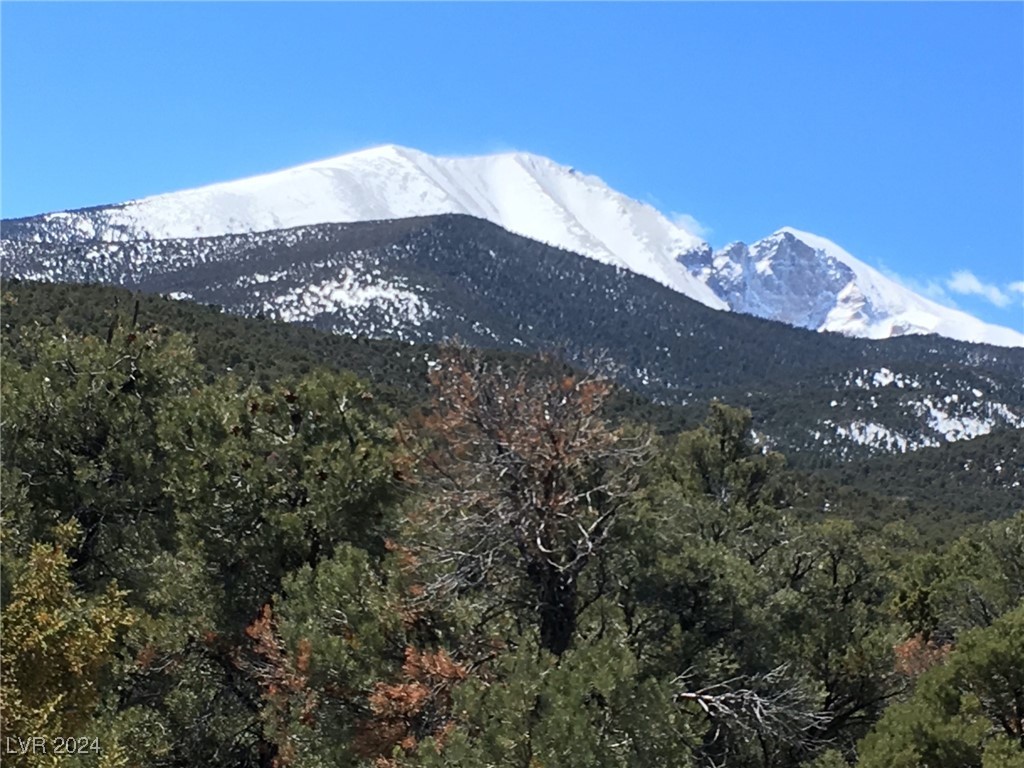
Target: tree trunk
(557,610)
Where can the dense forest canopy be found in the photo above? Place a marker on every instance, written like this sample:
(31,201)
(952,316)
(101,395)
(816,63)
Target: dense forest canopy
(494,567)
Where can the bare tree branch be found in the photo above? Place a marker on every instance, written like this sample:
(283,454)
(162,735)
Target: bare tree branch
(771,706)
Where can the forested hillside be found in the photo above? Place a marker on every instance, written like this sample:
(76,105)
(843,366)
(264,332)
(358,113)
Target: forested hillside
(932,487)
(481,563)
(820,397)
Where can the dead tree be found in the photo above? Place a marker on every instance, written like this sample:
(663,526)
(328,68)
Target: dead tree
(524,485)
(772,708)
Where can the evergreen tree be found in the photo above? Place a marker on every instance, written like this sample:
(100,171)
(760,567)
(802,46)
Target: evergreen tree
(966,712)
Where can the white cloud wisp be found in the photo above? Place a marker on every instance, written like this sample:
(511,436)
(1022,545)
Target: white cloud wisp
(966,283)
(691,225)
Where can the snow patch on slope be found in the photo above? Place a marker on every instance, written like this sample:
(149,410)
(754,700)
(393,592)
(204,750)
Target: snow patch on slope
(877,435)
(352,294)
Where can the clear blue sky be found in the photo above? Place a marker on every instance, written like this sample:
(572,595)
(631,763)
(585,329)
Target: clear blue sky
(896,130)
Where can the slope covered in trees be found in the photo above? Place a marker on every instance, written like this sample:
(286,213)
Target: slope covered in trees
(203,569)
(938,488)
(820,397)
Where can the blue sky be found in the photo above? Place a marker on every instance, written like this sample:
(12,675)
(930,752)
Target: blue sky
(896,130)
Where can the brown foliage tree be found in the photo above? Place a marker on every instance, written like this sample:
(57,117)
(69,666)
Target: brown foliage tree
(283,679)
(405,712)
(524,485)
(916,655)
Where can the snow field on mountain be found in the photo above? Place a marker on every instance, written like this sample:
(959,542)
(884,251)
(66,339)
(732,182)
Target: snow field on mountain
(535,197)
(526,194)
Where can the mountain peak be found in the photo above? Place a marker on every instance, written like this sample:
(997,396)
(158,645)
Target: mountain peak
(792,276)
(872,305)
(380,149)
(525,193)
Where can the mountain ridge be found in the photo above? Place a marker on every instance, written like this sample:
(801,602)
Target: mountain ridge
(535,197)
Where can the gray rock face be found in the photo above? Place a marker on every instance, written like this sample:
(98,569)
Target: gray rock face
(697,260)
(779,278)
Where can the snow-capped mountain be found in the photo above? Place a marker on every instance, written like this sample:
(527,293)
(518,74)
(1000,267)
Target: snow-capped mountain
(523,193)
(791,276)
(808,281)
